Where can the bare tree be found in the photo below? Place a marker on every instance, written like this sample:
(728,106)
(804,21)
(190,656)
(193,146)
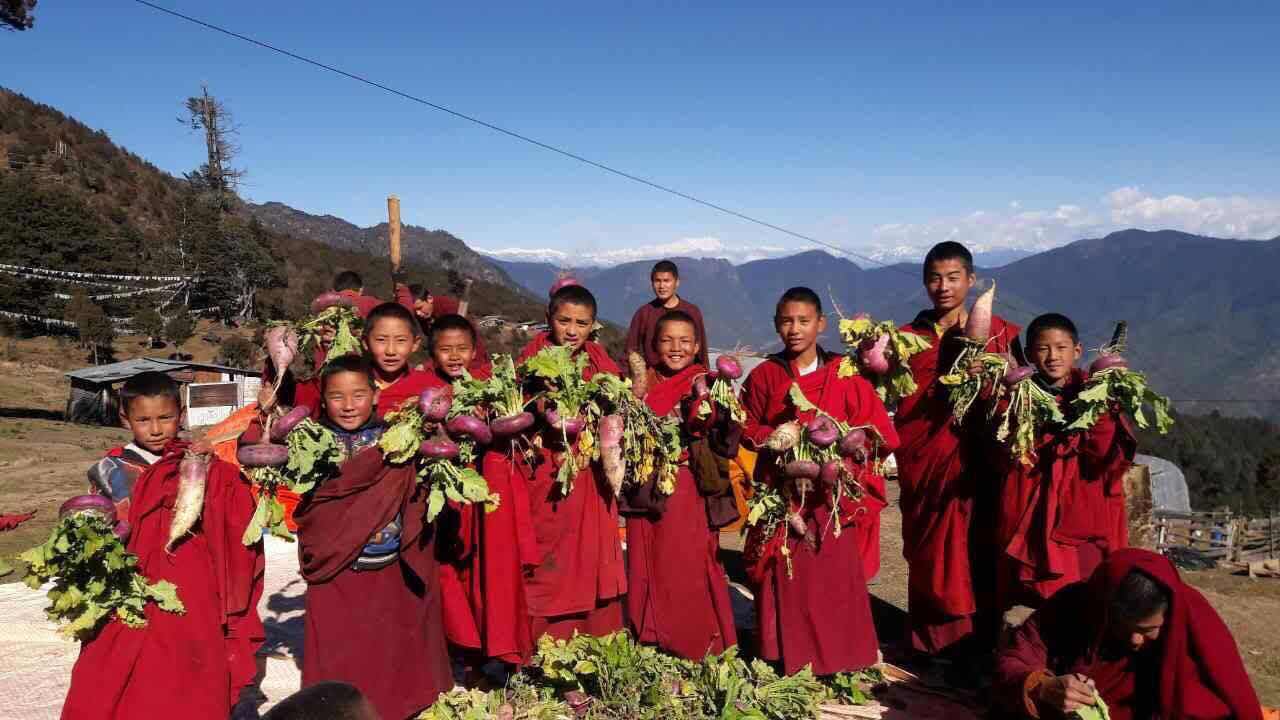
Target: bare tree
(17,14)
(217,176)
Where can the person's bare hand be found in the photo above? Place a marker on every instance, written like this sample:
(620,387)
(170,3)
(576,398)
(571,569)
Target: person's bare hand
(1066,693)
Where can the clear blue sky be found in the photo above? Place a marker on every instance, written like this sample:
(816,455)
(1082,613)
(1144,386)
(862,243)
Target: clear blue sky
(869,127)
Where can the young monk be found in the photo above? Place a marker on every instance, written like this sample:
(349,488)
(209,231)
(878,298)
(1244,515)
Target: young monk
(1053,528)
(486,613)
(1150,645)
(678,595)
(349,284)
(191,664)
(665,279)
(813,606)
(947,496)
(579,581)
(390,338)
(373,612)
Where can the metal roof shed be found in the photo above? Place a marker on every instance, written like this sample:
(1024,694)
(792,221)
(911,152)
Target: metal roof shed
(210,391)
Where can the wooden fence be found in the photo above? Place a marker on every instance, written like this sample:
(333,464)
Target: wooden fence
(1220,536)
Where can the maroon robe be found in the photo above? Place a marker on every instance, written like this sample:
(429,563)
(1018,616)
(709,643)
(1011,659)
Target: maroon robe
(643,332)
(1192,672)
(379,630)
(365,304)
(820,612)
(408,385)
(948,498)
(580,579)
(1054,525)
(193,664)
(678,594)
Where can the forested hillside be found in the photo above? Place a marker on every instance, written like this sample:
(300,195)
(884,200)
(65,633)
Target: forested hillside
(1229,462)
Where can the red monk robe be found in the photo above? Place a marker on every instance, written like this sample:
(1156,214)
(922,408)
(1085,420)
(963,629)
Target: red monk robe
(189,665)
(580,579)
(1054,526)
(678,594)
(380,629)
(821,613)
(643,332)
(947,538)
(1193,672)
(409,385)
(365,304)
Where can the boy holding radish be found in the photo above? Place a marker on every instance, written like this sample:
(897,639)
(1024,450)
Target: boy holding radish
(391,336)
(373,609)
(665,279)
(1054,524)
(947,497)
(678,593)
(810,566)
(579,581)
(192,664)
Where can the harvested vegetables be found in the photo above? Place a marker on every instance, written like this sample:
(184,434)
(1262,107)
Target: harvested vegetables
(447,475)
(499,397)
(345,323)
(723,393)
(882,353)
(314,457)
(558,375)
(1030,411)
(650,444)
(1118,385)
(965,387)
(95,578)
(193,473)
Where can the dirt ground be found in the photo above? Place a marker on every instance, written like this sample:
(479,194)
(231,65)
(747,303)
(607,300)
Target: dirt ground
(43,461)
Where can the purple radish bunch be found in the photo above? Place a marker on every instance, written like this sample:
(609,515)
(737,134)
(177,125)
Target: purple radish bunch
(434,402)
(822,431)
(511,425)
(281,428)
(439,449)
(472,427)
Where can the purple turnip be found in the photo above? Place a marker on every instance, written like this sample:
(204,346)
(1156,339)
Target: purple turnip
(434,402)
(871,355)
(1106,362)
(727,366)
(93,504)
(700,388)
(802,469)
(830,473)
(853,444)
(978,327)
(282,346)
(122,530)
(571,427)
(285,425)
(327,300)
(262,455)
(437,448)
(472,427)
(1017,374)
(562,283)
(822,432)
(511,425)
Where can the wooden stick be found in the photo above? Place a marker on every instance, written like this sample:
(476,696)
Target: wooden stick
(393,230)
(465,300)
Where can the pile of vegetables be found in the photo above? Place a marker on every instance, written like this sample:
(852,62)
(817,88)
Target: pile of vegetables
(1112,382)
(310,455)
(94,576)
(558,376)
(445,443)
(614,677)
(1031,409)
(882,353)
(335,313)
(636,445)
(721,391)
(966,386)
(500,398)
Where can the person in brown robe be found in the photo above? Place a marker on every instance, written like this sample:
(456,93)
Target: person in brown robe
(665,278)
(373,610)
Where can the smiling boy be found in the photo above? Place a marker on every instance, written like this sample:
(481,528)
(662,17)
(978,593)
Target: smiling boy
(665,280)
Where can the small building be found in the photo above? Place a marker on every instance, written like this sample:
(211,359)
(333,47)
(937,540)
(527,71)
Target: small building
(489,321)
(209,392)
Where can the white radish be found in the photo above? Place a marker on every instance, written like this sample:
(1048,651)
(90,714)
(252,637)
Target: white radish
(784,437)
(193,473)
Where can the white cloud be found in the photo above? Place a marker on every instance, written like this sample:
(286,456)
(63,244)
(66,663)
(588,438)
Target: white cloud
(1227,217)
(700,247)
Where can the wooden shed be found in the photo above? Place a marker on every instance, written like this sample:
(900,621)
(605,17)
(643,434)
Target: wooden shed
(209,392)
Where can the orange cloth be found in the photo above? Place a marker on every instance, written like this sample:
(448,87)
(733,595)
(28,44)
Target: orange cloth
(740,470)
(236,423)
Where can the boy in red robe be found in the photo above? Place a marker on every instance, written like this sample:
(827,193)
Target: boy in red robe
(373,609)
(665,278)
(1137,636)
(812,606)
(1054,526)
(390,337)
(191,664)
(678,595)
(580,579)
(947,491)
(349,284)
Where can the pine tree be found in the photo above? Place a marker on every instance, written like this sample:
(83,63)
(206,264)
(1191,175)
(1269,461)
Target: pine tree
(179,329)
(150,323)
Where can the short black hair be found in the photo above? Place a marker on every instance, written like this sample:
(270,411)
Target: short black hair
(149,384)
(390,310)
(452,322)
(323,701)
(351,363)
(949,250)
(799,294)
(1051,321)
(1138,597)
(665,266)
(671,316)
(419,290)
(572,295)
(347,280)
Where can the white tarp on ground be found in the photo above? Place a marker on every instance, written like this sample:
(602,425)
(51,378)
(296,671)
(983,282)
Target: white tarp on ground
(35,662)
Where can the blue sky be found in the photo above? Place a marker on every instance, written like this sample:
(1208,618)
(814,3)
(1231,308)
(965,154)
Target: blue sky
(879,129)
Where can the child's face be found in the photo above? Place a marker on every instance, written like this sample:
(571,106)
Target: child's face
(677,345)
(571,325)
(665,285)
(799,325)
(948,283)
(453,351)
(349,398)
(1055,354)
(153,420)
(391,341)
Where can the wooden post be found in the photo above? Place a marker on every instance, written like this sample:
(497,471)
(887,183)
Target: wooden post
(465,300)
(393,230)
